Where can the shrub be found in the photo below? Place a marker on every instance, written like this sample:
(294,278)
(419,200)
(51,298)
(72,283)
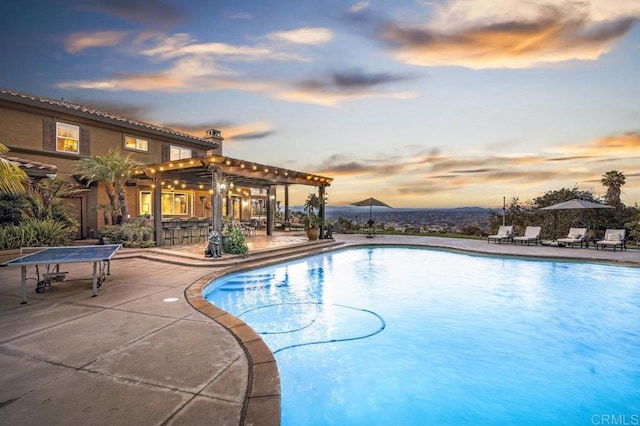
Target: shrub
(35,233)
(12,208)
(132,234)
(236,244)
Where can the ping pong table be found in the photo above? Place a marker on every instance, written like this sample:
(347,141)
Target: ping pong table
(52,257)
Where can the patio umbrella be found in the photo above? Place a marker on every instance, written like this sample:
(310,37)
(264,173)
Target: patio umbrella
(371,202)
(573,204)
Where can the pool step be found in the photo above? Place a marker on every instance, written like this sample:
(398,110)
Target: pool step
(255,258)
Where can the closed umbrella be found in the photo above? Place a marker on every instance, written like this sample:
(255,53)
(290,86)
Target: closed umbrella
(371,202)
(573,204)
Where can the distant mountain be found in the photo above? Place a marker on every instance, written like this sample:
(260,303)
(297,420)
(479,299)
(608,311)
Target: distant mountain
(455,218)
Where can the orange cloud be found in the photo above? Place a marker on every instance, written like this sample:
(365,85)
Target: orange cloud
(526,35)
(423,178)
(308,36)
(77,42)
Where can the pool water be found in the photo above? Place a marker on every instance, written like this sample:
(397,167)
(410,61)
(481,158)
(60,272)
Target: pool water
(409,336)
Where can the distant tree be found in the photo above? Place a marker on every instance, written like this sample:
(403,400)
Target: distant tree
(613,180)
(472,229)
(633,225)
(521,215)
(516,214)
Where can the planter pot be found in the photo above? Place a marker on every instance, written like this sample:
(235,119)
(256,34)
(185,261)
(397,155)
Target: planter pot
(313,233)
(107,240)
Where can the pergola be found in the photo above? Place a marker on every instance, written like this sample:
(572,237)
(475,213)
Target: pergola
(216,172)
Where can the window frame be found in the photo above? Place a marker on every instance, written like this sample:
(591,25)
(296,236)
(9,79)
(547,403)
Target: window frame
(136,141)
(181,152)
(58,136)
(145,199)
(174,196)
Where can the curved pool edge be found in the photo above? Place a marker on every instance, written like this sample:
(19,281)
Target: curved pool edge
(263,398)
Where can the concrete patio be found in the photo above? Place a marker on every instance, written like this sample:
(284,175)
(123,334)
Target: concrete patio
(149,350)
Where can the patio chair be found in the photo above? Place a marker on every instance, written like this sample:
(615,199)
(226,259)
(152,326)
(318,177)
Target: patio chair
(531,234)
(613,238)
(505,233)
(575,236)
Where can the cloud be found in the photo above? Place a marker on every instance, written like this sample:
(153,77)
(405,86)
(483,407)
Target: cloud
(241,16)
(359,7)
(622,144)
(309,36)
(352,81)
(78,42)
(482,34)
(424,171)
(150,12)
(191,66)
(335,88)
(230,131)
(184,64)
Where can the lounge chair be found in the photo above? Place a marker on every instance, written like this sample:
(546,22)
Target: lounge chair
(505,233)
(531,234)
(613,238)
(575,236)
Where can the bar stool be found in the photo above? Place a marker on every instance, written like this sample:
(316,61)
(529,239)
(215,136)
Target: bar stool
(190,230)
(203,229)
(169,231)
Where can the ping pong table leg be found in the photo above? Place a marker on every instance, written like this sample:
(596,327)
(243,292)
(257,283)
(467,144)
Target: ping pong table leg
(95,279)
(23,283)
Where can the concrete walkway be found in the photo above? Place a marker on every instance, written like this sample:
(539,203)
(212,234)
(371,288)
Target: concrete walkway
(150,351)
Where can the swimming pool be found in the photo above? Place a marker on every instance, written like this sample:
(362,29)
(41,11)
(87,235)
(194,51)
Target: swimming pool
(393,335)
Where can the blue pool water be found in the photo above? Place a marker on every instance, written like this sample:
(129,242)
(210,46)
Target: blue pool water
(407,336)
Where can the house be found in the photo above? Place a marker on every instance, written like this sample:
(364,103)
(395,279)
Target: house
(183,176)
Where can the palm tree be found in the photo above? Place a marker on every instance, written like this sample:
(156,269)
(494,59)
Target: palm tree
(53,192)
(12,177)
(613,180)
(113,170)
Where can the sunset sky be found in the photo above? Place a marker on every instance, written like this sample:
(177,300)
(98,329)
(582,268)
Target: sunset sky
(418,103)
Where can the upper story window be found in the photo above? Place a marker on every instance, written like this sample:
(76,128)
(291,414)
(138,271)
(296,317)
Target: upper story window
(67,138)
(136,144)
(179,153)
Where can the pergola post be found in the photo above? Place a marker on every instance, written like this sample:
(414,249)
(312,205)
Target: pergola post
(286,203)
(157,208)
(321,193)
(271,197)
(216,200)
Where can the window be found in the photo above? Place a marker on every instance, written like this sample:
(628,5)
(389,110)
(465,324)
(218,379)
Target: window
(136,144)
(179,153)
(146,207)
(175,203)
(67,138)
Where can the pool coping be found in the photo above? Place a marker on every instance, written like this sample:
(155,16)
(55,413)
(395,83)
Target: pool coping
(263,396)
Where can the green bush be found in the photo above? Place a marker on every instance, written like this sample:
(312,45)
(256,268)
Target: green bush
(132,234)
(35,233)
(12,208)
(236,243)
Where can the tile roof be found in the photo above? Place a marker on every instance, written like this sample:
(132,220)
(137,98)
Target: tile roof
(96,114)
(31,167)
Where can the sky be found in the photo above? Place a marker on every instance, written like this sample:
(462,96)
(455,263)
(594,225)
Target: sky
(443,103)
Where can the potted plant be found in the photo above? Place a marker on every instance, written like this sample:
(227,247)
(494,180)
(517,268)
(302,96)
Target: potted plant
(236,244)
(232,238)
(312,216)
(225,235)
